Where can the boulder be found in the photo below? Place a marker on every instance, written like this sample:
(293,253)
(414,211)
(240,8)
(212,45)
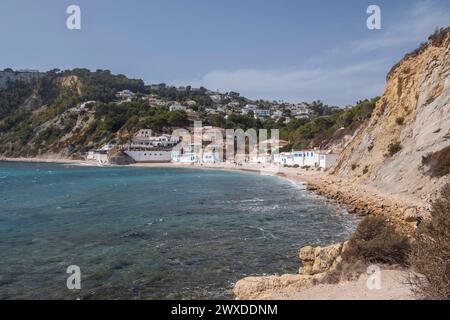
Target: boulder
(121,159)
(307,256)
(261,288)
(317,260)
(325,258)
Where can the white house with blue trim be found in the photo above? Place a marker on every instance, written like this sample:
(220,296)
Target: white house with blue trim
(308,158)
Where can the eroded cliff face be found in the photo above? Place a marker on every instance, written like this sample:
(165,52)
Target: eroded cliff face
(410,122)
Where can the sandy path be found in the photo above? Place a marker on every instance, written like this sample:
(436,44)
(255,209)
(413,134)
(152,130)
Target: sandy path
(393,287)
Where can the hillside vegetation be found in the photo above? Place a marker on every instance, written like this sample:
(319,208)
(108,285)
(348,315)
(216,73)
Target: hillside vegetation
(44,117)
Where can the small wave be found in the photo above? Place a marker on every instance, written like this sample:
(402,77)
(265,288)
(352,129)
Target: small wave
(252,200)
(264,232)
(255,200)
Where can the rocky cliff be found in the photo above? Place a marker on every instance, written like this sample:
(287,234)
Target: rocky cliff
(317,262)
(409,126)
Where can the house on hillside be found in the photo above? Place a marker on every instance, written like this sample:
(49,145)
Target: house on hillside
(261,113)
(177,107)
(126,95)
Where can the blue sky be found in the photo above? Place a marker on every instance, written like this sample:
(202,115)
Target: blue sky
(285,49)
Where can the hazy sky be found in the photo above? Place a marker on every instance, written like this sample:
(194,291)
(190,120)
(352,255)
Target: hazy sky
(292,50)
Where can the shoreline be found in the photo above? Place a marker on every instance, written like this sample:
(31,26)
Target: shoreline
(356,199)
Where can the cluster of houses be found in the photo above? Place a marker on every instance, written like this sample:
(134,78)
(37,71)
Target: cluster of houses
(226,103)
(147,148)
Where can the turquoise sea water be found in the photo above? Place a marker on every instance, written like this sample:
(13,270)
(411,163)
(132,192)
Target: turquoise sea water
(150,233)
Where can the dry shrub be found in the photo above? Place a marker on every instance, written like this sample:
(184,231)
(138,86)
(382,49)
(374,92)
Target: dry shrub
(438,162)
(394,148)
(377,241)
(400,121)
(431,253)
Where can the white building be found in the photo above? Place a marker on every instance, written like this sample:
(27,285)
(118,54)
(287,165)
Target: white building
(100,156)
(327,160)
(213,153)
(177,107)
(261,113)
(125,95)
(150,156)
(186,153)
(277,114)
(261,158)
(211,156)
(148,148)
(309,158)
(299,109)
(145,139)
(250,107)
(302,116)
(286,159)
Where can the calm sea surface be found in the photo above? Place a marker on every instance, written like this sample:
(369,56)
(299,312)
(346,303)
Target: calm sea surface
(149,233)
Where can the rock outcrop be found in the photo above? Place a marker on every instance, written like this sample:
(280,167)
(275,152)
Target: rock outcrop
(317,262)
(121,159)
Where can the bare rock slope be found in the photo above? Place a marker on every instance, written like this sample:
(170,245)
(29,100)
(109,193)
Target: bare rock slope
(410,123)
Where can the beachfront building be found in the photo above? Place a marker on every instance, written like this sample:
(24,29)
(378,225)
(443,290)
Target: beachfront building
(213,153)
(148,148)
(327,160)
(267,151)
(145,139)
(261,158)
(100,155)
(186,153)
(286,159)
(308,158)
